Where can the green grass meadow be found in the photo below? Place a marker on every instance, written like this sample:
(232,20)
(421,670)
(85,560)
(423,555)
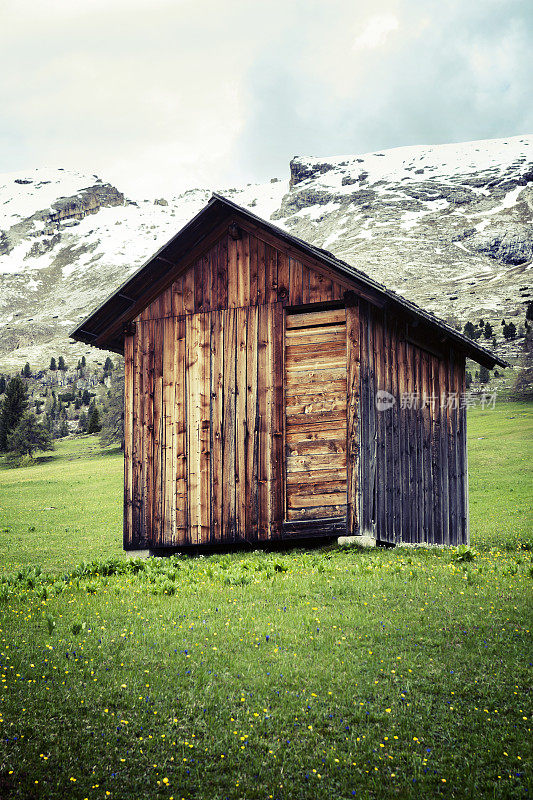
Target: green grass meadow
(295,675)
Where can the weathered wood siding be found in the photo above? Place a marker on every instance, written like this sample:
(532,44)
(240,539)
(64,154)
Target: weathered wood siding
(205,403)
(315,409)
(220,373)
(243,272)
(412,467)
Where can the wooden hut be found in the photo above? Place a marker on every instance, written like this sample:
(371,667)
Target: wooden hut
(273,392)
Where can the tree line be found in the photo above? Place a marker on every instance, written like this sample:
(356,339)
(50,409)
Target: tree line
(30,423)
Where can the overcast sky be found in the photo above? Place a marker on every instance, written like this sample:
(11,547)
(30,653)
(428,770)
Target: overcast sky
(162,95)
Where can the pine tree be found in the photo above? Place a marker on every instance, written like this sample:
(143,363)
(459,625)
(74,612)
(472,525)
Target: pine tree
(108,366)
(487,331)
(2,384)
(12,408)
(484,375)
(53,365)
(86,397)
(61,364)
(82,422)
(469,330)
(28,436)
(83,362)
(26,371)
(113,415)
(468,380)
(93,426)
(509,331)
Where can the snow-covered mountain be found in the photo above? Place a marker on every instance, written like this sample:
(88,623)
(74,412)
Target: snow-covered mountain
(449,226)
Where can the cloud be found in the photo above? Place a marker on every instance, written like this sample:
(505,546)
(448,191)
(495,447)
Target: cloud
(164,95)
(375,32)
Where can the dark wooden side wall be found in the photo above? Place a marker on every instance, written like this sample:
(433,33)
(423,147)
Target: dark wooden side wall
(412,462)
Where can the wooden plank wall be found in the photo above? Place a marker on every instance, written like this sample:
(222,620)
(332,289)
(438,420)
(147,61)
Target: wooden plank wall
(239,273)
(205,410)
(412,467)
(206,404)
(207,449)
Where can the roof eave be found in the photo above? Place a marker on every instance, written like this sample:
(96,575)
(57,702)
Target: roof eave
(123,294)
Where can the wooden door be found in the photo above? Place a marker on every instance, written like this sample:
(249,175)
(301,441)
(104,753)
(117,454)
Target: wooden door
(315,415)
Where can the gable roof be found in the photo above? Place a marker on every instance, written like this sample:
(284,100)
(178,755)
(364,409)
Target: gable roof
(104,328)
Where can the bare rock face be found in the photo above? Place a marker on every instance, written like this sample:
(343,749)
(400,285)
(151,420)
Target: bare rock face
(88,201)
(300,171)
(508,244)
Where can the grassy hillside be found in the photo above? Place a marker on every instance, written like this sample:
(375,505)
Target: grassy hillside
(333,673)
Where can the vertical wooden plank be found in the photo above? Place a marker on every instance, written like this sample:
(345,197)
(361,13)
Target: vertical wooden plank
(314,286)
(271,280)
(381,483)
(205,425)
(277,421)
(157,514)
(180,434)
(295,288)
(364,471)
(138,417)
(217,390)
(435,451)
(396,434)
(372,426)
(208,283)
(229,465)
(233,274)
(243,270)
(337,291)
(324,289)
(252,241)
(353,357)
(463,456)
(128,441)
(411,401)
(198,270)
(453,450)
(188,291)
(252,453)
(261,272)
(283,275)
(222,258)
(305,285)
(148,431)
(422,506)
(388,465)
(428,461)
(177,298)
(213,275)
(192,338)
(445,502)
(166,303)
(169,440)
(264,432)
(241,430)
(403,433)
